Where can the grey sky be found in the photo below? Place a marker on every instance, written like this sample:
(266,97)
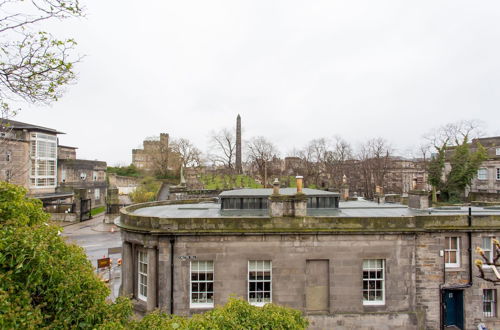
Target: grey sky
(294,70)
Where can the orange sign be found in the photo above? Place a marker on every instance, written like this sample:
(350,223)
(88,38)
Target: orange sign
(104,262)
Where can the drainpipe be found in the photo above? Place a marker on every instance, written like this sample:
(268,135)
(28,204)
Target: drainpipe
(172,242)
(157,275)
(441,290)
(469,234)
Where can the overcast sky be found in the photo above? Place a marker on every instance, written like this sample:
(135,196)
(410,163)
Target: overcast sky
(294,70)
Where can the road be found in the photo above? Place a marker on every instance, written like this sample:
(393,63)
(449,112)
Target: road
(96,238)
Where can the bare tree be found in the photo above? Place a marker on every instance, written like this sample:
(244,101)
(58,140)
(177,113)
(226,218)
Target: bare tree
(374,158)
(223,148)
(261,152)
(313,158)
(335,160)
(34,65)
(188,153)
(323,160)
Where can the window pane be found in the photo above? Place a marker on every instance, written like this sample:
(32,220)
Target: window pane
(489,302)
(259,281)
(202,282)
(142,267)
(373,277)
(453,243)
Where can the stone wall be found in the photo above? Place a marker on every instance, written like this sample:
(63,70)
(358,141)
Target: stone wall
(413,275)
(66,217)
(15,162)
(412,247)
(64,152)
(418,199)
(289,255)
(122,182)
(83,174)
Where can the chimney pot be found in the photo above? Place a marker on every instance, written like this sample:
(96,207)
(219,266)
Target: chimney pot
(299,183)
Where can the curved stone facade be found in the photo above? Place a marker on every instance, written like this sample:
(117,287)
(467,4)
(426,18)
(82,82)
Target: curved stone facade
(316,263)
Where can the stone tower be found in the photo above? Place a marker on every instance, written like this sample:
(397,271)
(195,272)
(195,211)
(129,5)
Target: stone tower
(239,169)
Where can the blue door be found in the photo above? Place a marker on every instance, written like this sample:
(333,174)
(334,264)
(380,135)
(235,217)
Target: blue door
(453,304)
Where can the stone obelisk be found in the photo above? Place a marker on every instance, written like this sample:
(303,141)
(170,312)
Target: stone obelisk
(239,169)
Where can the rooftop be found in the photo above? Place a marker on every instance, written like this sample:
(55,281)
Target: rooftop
(268,191)
(12,124)
(355,209)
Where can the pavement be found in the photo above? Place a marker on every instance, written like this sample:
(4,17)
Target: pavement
(97,238)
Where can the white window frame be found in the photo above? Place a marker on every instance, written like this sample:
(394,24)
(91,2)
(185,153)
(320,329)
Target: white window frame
(94,175)
(448,250)
(482,174)
(39,158)
(261,266)
(497,151)
(492,312)
(490,248)
(206,271)
(142,275)
(97,194)
(368,302)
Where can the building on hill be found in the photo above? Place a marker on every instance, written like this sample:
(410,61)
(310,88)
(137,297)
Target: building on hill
(403,175)
(156,156)
(352,265)
(486,184)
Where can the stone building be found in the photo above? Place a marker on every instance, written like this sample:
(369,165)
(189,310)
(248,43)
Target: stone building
(83,174)
(403,175)
(357,265)
(486,184)
(156,155)
(31,156)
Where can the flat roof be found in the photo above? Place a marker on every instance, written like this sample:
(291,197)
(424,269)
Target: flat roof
(266,192)
(356,209)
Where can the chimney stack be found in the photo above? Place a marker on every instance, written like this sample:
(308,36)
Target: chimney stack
(276,187)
